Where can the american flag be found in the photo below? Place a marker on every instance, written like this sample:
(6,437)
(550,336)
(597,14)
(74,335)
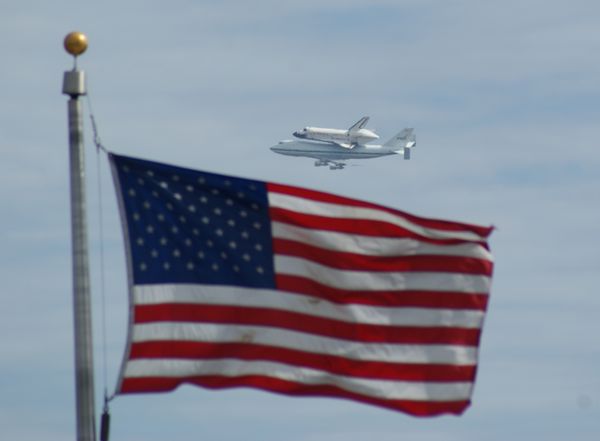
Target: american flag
(237,282)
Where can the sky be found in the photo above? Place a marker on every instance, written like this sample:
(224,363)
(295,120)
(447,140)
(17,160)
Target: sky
(504,98)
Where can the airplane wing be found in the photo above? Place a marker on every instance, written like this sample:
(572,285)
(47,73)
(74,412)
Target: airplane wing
(359,124)
(333,165)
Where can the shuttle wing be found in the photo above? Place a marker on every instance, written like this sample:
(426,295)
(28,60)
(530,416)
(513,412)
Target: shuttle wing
(344,145)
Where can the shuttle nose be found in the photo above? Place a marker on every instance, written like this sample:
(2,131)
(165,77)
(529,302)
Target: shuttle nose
(299,134)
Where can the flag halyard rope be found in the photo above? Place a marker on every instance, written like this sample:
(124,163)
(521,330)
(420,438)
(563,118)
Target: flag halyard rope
(105,417)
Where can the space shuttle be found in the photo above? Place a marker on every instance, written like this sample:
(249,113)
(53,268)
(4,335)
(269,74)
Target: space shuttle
(332,154)
(355,135)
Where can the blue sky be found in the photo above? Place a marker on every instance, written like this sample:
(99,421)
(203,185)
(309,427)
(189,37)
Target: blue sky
(504,98)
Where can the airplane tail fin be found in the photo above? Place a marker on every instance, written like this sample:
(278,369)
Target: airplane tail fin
(359,124)
(406,139)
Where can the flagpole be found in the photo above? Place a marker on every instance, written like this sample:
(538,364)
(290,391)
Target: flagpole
(74,85)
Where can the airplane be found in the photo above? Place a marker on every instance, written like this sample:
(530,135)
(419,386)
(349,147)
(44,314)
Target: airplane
(332,154)
(354,136)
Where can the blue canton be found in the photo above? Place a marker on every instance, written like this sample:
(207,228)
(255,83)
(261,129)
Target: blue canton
(186,226)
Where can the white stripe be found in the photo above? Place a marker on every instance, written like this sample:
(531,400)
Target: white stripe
(308,206)
(302,304)
(283,338)
(371,281)
(375,246)
(384,389)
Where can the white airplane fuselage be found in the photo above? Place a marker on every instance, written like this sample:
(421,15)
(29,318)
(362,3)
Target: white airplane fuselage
(346,138)
(326,151)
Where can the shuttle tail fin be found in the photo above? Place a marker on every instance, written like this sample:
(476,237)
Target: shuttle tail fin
(406,139)
(359,124)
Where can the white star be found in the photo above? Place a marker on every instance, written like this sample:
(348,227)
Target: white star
(170,206)
(200,255)
(136,216)
(209,243)
(150,229)
(232,245)
(131,192)
(203,199)
(201,180)
(125,169)
(154,253)
(177,196)
(260,270)
(143,266)
(155,193)
(163,184)
(167,265)
(215,191)
(140,241)
(223,255)
(175,178)
(163,241)
(243,213)
(254,206)
(192,208)
(190,266)
(256,225)
(150,173)
(245,234)
(146,205)
(182,219)
(246,257)
(188,242)
(161,217)
(240,195)
(189,188)
(227,183)
(258,247)
(215,267)
(219,232)
(174,229)
(229,202)
(236,268)
(217,211)
(140,181)
(176,252)
(195,232)
(205,220)
(231,223)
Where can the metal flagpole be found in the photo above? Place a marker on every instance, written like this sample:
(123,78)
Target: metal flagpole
(74,85)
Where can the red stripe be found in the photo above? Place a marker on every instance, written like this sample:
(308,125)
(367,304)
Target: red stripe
(361,262)
(276,318)
(327,363)
(424,299)
(362,227)
(341,200)
(417,408)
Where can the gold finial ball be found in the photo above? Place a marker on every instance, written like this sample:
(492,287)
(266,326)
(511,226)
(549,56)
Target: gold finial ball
(75,43)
